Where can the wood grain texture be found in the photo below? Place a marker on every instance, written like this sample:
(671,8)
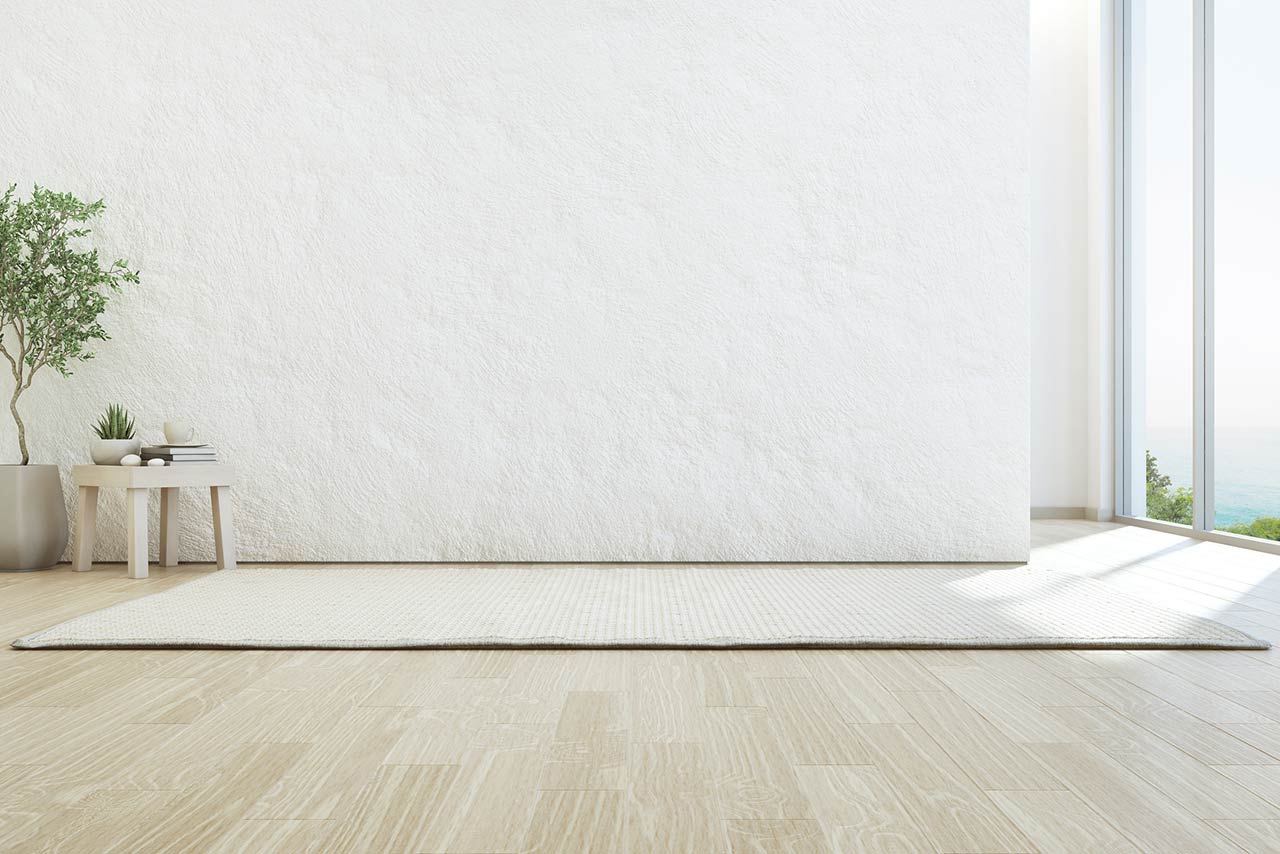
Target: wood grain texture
(1200,789)
(986,753)
(671,804)
(858,809)
(1019,717)
(394,810)
(1251,835)
(953,812)
(1129,803)
(1212,745)
(810,726)
(653,750)
(1061,823)
(499,806)
(589,750)
(589,822)
(858,696)
(776,836)
(752,774)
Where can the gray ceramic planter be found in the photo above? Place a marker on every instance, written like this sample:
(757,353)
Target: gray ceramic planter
(33,517)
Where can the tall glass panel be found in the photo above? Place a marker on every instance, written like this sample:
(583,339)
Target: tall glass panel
(1159,407)
(1246,269)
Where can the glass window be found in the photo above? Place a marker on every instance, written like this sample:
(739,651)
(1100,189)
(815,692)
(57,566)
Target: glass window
(1160,262)
(1246,267)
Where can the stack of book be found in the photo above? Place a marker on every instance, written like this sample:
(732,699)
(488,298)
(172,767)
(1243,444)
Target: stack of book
(175,455)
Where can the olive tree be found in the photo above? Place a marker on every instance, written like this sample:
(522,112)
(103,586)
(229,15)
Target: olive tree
(53,288)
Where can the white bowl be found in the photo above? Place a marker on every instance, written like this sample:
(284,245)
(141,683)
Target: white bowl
(109,452)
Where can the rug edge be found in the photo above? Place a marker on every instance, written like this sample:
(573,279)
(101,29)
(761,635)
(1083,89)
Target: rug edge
(1238,640)
(1244,642)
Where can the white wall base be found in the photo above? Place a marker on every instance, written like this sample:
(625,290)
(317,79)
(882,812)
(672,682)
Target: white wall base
(1057,513)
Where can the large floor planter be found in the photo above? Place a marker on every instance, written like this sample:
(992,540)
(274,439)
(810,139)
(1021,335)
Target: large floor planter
(33,517)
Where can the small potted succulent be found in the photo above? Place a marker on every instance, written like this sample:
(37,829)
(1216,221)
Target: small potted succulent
(53,290)
(115,437)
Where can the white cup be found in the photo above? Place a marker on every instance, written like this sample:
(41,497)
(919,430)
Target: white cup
(178,432)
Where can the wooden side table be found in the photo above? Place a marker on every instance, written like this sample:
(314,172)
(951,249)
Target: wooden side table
(168,479)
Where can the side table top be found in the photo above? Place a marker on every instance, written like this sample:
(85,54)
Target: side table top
(147,477)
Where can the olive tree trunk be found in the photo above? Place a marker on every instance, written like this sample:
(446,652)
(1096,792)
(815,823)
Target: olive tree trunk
(22,428)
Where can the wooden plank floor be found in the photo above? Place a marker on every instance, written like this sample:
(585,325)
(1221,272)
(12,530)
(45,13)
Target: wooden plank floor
(467,751)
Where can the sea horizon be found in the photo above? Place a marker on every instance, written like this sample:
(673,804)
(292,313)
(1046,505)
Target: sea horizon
(1247,468)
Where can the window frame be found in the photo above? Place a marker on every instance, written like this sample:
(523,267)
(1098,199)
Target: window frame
(1130,463)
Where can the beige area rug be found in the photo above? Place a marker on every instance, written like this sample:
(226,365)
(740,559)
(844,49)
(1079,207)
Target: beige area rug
(962,607)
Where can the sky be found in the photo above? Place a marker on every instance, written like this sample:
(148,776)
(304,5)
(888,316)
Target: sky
(1247,211)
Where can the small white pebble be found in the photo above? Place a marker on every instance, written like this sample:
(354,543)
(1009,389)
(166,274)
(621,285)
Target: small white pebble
(131,460)
(155,462)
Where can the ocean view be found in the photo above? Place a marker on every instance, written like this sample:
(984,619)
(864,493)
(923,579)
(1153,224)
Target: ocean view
(1247,480)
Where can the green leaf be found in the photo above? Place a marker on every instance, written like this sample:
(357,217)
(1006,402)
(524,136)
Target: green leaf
(115,424)
(51,286)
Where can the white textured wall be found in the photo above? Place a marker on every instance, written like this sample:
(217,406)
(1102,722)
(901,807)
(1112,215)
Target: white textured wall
(556,280)
(1059,252)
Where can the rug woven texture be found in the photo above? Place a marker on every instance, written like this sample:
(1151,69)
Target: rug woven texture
(690,606)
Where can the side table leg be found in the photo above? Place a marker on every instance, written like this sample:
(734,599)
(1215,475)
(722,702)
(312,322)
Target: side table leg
(136,511)
(169,526)
(86,528)
(224,531)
